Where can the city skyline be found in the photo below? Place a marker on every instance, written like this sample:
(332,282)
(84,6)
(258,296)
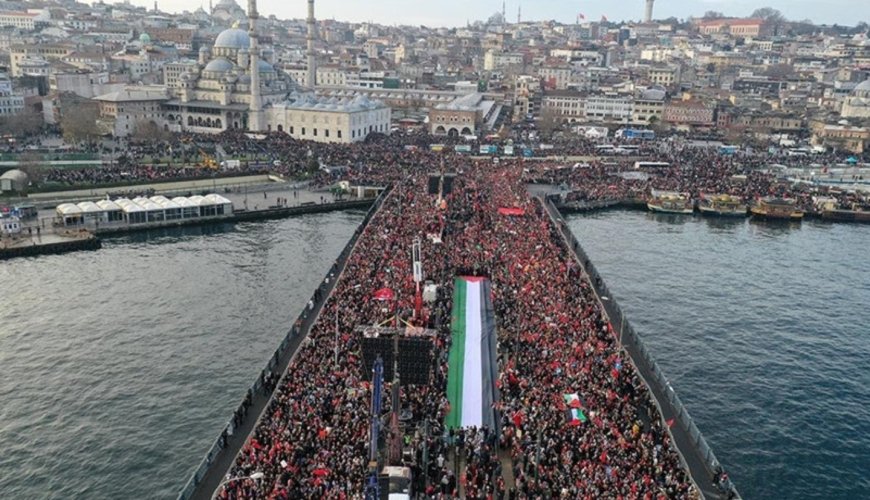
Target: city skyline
(451,13)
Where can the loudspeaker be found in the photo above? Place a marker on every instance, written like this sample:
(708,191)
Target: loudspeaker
(448,183)
(434,181)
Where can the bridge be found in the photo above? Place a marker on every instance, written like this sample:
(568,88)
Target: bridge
(696,458)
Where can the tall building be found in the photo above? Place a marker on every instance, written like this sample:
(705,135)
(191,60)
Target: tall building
(648,14)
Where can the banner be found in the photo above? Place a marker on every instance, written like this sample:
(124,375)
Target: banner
(472,369)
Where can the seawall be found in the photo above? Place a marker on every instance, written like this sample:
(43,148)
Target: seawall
(696,454)
(50,248)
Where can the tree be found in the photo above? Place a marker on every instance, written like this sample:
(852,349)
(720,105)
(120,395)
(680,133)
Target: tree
(31,164)
(769,14)
(79,124)
(25,123)
(548,122)
(148,131)
(712,14)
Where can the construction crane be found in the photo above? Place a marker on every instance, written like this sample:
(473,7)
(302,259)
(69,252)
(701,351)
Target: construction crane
(208,161)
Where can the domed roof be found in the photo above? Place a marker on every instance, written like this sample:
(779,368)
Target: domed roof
(219,65)
(233,38)
(145,38)
(863,86)
(227,3)
(265,67)
(15,175)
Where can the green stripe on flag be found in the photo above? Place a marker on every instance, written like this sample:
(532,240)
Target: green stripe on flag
(456,359)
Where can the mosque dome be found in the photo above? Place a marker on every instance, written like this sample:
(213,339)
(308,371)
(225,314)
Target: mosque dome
(233,38)
(863,89)
(219,65)
(145,38)
(227,3)
(265,67)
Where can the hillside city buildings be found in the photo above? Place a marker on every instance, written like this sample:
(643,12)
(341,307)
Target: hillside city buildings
(229,67)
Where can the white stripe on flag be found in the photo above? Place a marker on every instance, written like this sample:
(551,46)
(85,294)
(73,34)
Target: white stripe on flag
(472,372)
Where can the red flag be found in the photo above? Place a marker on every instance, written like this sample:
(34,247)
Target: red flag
(670,422)
(384,294)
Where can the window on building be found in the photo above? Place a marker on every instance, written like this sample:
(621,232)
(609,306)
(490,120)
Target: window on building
(326,132)
(303,130)
(339,134)
(315,132)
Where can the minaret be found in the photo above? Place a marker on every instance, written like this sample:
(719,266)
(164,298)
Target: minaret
(520,14)
(255,114)
(504,11)
(312,55)
(647,17)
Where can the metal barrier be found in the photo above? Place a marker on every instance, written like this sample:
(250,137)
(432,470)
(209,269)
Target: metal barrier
(300,327)
(694,447)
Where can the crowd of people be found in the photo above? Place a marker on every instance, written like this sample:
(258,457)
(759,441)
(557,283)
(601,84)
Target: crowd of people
(553,339)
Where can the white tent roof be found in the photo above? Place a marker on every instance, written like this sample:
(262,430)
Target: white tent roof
(201,201)
(181,201)
(147,204)
(128,206)
(68,209)
(108,205)
(89,207)
(165,202)
(218,199)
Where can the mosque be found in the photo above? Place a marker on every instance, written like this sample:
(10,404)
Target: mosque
(235,86)
(857,105)
(228,11)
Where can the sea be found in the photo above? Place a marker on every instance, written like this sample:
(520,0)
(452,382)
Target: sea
(118,368)
(763,329)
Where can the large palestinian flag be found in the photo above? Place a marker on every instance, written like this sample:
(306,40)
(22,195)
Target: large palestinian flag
(472,368)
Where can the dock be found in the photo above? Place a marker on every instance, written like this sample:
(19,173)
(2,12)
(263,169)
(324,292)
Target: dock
(48,244)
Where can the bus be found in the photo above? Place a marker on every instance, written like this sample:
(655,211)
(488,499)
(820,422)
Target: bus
(628,133)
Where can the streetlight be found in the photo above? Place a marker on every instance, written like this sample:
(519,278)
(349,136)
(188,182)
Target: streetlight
(255,476)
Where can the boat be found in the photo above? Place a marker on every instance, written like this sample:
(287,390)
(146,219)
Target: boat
(831,209)
(847,215)
(777,209)
(722,205)
(667,202)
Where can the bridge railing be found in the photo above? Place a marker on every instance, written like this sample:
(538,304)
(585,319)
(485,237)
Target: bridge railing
(657,382)
(300,327)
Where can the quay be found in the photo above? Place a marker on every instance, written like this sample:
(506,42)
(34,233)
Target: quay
(48,244)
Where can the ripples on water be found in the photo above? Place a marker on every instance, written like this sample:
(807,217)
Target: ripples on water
(119,367)
(763,331)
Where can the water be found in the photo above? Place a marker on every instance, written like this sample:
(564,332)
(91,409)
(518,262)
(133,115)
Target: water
(118,368)
(762,330)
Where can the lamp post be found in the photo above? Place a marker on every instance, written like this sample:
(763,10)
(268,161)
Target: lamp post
(255,476)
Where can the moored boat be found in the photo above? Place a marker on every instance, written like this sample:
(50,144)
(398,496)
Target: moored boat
(722,205)
(777,209)
(667,202)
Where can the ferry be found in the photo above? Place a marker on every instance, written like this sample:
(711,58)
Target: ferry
(831,209)
(722,205)
(667,202)
(777,209)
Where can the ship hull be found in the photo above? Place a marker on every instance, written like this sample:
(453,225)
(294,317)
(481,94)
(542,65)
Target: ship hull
(713,212)
(663,210)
